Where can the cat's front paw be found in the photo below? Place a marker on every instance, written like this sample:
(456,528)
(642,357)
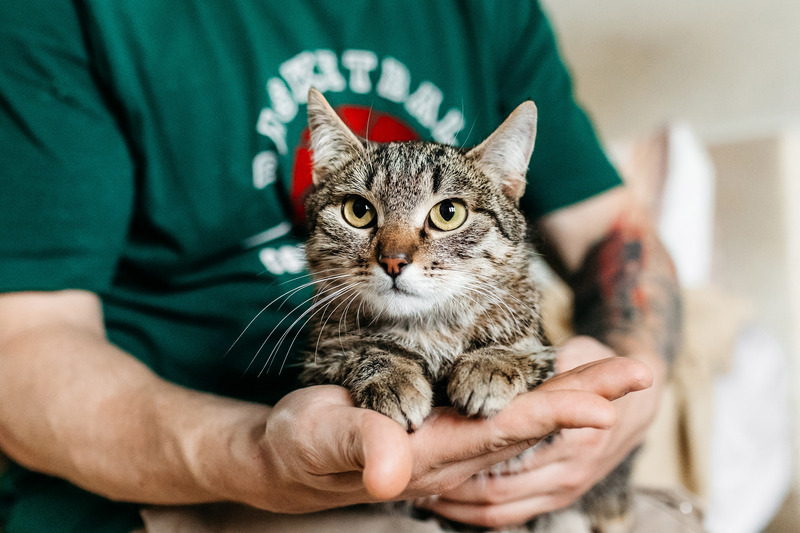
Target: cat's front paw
(403,395)
(483,386)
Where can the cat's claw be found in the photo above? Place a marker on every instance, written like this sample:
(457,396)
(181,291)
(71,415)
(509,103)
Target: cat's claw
(403,398)
(482,388)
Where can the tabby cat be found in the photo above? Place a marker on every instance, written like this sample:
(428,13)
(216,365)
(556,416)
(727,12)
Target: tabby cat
(419,256)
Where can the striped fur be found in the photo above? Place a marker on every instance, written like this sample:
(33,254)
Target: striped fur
(459,324)
(462,317)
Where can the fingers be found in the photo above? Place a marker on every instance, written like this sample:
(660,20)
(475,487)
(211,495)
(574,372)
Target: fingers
(484,488)
(499,501)
(342,449)
(495,516)
(457,447)
(610,378)
(575,399)
(556,474)
(546,469)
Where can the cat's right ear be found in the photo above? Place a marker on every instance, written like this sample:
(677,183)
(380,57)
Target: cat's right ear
(506,153)
(331,139)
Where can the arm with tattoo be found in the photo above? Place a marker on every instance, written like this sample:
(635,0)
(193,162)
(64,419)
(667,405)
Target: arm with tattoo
(626,291)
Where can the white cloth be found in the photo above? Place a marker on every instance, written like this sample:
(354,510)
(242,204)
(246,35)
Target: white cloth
(751,442)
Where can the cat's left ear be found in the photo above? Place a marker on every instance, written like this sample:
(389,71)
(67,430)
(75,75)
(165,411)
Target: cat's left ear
(331,139)
(505,154)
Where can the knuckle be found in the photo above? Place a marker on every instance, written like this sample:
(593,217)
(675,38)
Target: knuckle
(596,439)
(584,342)
(573,483)
(500,441)
(491,517)
(563,500)
(496,492)
(442,484)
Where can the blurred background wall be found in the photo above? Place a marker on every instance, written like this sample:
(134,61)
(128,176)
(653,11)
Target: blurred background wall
(730,71)
(730,67)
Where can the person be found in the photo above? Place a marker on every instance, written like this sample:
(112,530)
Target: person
(154,166)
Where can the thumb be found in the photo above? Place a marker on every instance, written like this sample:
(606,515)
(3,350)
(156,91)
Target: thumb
(384,452)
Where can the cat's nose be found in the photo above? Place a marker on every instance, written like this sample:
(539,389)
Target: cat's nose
(393,264)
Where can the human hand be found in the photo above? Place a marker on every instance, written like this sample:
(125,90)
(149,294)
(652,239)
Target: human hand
(326,453)
(555,474)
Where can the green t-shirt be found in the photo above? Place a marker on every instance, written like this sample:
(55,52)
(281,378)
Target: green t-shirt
(155,153)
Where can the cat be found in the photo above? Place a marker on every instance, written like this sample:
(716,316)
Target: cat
(419,256)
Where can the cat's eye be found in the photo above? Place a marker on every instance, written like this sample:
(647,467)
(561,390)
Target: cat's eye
(448,215)
(358,212)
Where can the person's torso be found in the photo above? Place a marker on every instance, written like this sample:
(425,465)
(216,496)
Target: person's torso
(212,96)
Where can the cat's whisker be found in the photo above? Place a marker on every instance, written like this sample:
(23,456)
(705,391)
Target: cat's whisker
(369,117)
(358,318)
(489,292)
(309,274)
(534,313)
(321,330)
(510,313)
(354,287)
(285,297)
(312,309)
(344,314)
(324,321)
(342,270)
(346,309)
(288,295)
(474,121)
(288,314)
(325,283)
(480,277)
(375,318)
(367,160)
(301,328)
(322,308)
(483,312)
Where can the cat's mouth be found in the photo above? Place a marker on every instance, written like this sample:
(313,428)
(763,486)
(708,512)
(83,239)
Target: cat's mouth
(401,297)
(402,288)
(401,294)
(399,290)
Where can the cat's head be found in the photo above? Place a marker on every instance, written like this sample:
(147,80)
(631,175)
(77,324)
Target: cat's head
(415,228)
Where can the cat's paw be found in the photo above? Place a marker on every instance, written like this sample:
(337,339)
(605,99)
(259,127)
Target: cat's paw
(482,387)
(405,397)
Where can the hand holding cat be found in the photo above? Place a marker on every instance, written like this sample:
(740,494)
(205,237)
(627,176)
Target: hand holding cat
(557,474)
(326,453)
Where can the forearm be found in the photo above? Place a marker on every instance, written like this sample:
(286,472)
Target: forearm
(114,427)
(626,291)
(74,406)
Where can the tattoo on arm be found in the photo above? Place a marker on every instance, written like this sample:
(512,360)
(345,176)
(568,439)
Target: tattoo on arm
(626,292)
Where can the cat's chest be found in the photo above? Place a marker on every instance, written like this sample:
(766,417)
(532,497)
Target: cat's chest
(439,346)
